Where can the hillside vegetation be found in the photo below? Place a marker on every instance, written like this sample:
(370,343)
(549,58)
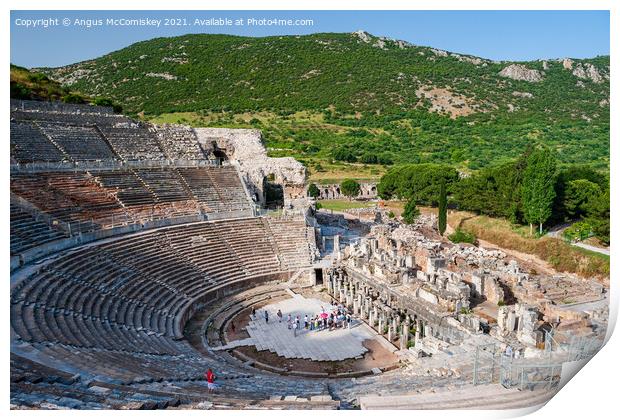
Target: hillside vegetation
(36,86)
(356,99)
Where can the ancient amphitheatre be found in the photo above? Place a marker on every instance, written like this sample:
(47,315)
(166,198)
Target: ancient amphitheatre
(138,253)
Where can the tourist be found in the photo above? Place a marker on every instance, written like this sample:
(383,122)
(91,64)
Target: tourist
(253,313)
(312,323)
(266,317)
(279,316)
(349,321)
(210,381)
(288,321)
(325,323)
(295,329)
(306,322)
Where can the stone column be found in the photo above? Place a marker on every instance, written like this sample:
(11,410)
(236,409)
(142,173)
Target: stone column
(337,246)
(381,325)
(367,306)
(390,336)
(418,331)
(371,319)
(427,331)
(405,334)
(395,324)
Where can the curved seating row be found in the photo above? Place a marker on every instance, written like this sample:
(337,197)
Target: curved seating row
(99,199)
(126,298)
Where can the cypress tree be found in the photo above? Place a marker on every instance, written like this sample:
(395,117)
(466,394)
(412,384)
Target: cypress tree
(443,209)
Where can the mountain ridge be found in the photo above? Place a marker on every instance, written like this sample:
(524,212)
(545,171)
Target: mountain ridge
(420,104)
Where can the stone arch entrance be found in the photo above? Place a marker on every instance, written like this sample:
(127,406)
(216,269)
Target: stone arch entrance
(274,192)
(219,153)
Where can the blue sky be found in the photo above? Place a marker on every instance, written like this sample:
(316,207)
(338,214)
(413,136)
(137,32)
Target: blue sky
(499,35)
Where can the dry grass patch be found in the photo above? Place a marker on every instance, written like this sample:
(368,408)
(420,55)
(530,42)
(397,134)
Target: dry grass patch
(560,255)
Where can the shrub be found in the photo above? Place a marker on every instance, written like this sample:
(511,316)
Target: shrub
(344,155)
(19,91)
(460,236)
(313,191)
(411,212)
(73,98)
(578,232)
(350,188)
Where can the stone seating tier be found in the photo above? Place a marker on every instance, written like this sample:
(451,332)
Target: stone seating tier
(29,144)
(80,143)
(27,232)
(99,199)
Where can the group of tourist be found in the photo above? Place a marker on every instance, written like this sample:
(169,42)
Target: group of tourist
(338,317)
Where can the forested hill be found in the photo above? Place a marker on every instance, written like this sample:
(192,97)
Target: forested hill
(361,80)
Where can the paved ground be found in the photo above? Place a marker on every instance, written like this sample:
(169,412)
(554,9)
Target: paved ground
(556,232)
(338,344)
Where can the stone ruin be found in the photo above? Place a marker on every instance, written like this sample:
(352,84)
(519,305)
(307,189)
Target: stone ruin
(245,148)
(450,291)
(368,191)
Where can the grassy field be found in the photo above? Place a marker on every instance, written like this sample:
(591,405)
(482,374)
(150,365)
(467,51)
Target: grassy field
(560,255)
(393,205)
(342,205)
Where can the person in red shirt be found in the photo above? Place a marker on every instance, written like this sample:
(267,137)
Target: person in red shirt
(210,381)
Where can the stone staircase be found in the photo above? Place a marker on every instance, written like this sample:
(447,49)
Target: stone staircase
(484,397)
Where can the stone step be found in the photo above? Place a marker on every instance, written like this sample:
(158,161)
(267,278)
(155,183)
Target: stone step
(494,397)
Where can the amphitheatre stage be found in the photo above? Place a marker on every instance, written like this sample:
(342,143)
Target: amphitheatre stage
(324,345)
(138,253)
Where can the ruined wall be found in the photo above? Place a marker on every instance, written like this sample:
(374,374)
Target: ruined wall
(368,190)
(245,148)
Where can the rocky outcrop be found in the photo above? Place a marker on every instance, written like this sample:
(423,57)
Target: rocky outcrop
(587,71)
(520,72)
(522,94)
(567,63)
(363,36)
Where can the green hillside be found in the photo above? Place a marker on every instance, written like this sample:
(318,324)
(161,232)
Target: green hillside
(355,100)
(36,86)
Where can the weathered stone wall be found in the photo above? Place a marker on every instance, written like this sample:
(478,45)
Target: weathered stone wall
(368,190)
(245,148)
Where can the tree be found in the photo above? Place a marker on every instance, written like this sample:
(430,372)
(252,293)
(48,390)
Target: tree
(313,191)
(564,197)
(343,154)
(598,216)
(579,193)
(350,188)
(411,212)
(494,191)
(538,189)
(443,209)
(418,181)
